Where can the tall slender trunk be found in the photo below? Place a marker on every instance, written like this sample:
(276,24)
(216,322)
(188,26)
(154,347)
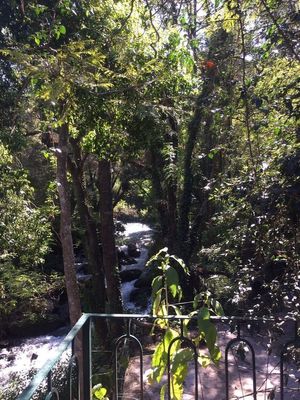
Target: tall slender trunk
(92,250)
(110,262)
(66,239)
(65,227)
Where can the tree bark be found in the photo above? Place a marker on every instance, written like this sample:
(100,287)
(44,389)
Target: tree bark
(110,262)
(66,239)
(92,250)
(65,227)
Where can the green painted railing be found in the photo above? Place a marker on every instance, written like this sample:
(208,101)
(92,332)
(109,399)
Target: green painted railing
(83,328)
(45,372)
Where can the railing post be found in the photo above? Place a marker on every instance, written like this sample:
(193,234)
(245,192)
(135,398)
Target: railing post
(87,359)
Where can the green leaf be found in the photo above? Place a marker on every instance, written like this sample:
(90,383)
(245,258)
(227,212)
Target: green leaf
(157,255)
(160,356)
(163,392)
(99,392)
(156,302)
(203,313)
(156,284)
(217,308)
(215,354)
(207,328)
(62,29)
(210,333)
(182,356)
(217,3)
(172,280)
(177,387)
(197,300)
(181,263)
(204,361)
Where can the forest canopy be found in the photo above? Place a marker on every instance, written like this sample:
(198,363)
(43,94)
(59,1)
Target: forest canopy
(185,113)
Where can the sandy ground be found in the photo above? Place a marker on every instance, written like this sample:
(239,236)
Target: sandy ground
(211,382)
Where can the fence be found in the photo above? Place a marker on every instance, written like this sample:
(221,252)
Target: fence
(242,375)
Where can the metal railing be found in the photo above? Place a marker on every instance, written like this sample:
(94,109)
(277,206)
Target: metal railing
(83,381)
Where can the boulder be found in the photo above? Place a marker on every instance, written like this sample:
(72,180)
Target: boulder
(4,343)
(146,278)
(140,297)
(34,356)
(133,250)
(129,261)
(130,275)
(11,357)
(124,258)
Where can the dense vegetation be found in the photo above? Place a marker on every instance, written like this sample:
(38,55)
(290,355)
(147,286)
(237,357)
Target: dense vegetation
(183,112)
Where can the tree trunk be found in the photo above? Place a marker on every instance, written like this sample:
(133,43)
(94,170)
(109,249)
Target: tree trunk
(110,262)
(97,299)
(65,227)
(66,239)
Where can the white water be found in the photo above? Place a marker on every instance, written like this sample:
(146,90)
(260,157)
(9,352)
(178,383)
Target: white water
(32,353)
(140,234)
(128,287)
(135,228)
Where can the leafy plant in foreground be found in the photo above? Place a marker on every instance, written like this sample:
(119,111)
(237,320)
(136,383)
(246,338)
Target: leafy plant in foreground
(166,290)
(99,392)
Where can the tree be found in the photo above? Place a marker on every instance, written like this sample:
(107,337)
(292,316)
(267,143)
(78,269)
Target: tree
(66,227)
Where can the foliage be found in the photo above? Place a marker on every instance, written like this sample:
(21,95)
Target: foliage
(198,108)
(24,230)
(27,296)
(99,392)
(165,290)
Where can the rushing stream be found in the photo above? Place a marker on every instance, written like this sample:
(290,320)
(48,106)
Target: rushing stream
(142,235)
(31,353)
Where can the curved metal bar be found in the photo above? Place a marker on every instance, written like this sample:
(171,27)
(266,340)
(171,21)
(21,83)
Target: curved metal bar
(228,347)
(118,342)
(70,370)
(51,393)
(192,346)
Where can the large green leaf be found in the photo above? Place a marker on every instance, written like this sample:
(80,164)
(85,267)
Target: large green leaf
(176,388)
(217,307)
(203,313)
(172,280)
(156,285)
(181,263)
(160,356)
(180,358)
(156,302)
